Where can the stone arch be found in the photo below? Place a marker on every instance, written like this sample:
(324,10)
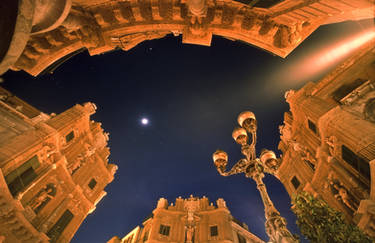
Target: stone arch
(101,26)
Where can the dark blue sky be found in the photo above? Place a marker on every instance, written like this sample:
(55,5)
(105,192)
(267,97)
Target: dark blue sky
(192,96)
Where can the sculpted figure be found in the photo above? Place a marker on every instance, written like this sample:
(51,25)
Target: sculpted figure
(189,233)
(343,195)
(331,144)
(41,197)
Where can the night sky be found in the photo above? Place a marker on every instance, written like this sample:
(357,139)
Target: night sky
(191,96)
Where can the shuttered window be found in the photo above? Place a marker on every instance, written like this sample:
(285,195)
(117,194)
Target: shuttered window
(359,164)
(59,227)
(21,177)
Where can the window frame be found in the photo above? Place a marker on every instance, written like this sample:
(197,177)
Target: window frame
(295,180)
(21,177)
(359,164)
(145,236)
(312,126)
(70,136)
(164,230)
(92,184)
(213,231)
(54,233)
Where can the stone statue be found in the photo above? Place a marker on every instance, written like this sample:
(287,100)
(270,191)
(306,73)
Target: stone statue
(330,141)
(342,194)
(189,233)
(41,197)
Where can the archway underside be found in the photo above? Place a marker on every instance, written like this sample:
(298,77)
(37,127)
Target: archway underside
(111,25)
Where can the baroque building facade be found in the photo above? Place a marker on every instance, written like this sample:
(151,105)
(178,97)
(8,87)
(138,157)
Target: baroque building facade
(190,220)
(328,139)
(40,35)
(53,169)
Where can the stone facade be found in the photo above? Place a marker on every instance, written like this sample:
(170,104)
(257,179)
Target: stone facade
(53,169)
(328,139)
(40,35)
(191,220)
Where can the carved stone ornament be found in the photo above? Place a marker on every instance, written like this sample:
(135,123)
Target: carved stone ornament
(189,233)
(285,132)
(42,197)
(340,192)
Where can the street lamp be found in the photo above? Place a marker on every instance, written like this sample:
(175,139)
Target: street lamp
(254,168)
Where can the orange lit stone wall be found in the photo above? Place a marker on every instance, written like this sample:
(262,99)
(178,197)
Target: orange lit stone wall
(104,25)
(189,220)
(328,139)
(67,152)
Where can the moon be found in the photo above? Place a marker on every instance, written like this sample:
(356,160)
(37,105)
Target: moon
(144,121)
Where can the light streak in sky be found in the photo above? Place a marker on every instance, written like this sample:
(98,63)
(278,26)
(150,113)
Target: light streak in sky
(342,49)
(311,65)
(329,57)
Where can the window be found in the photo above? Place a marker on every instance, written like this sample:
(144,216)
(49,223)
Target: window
(311,165)
(57,229)
(346,89)
(241,239)
(164,230)
(92,183)
(145,236)
(21,177)
(358,163)
(312,126)
(295,182)
(214,231)
(69,137)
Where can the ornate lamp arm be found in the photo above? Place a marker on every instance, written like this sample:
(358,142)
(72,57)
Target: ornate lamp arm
(239,167)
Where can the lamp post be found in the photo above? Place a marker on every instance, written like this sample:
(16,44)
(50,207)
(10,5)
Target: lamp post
(254,168)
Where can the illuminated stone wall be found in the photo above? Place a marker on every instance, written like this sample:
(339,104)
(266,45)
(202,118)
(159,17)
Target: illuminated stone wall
(58,30)
(328,139)
(190,220)
(53,170)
